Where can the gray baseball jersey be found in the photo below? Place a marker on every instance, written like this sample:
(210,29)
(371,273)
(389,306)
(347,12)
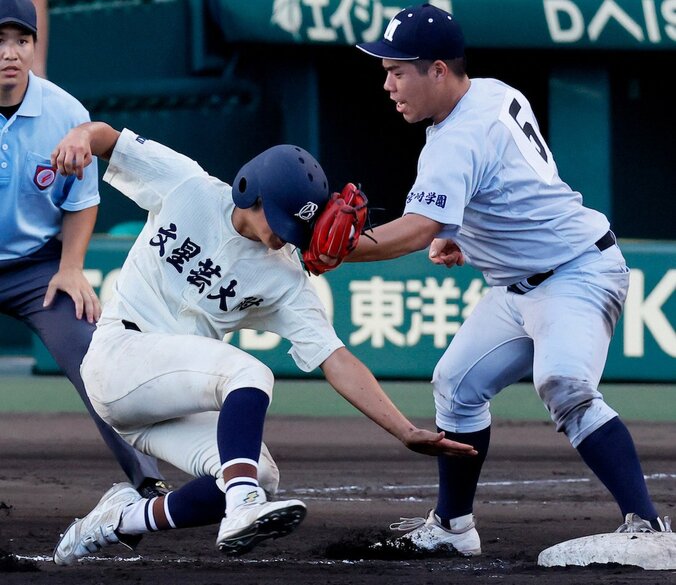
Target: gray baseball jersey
(487,174)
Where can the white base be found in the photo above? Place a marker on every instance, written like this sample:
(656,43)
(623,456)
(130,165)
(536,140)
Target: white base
(656,551)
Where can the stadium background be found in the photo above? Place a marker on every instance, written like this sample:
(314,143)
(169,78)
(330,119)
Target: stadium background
(220,80)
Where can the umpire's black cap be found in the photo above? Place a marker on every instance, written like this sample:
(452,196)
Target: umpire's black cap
(419,32)
(20,12)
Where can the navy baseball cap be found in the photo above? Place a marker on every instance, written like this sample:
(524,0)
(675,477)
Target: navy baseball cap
(419,32)
(21,12)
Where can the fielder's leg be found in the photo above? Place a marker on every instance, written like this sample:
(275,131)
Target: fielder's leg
(604,443)
(571,319)
(610,453)
(489,352)
(459,476)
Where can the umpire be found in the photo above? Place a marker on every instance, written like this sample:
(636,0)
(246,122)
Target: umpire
(46,221)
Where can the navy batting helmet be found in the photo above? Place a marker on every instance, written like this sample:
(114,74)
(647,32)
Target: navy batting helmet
(292,187)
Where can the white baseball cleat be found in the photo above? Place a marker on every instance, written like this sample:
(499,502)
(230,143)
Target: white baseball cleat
(634,523)
(248,524)
(427,535)
(97,529)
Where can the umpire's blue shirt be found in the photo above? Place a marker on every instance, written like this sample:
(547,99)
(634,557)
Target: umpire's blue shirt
(33,197)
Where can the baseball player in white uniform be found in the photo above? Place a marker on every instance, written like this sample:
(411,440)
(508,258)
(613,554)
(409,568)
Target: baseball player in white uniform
(211,259)
(488,193)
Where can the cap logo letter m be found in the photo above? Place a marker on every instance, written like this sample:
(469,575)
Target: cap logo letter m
(391,28)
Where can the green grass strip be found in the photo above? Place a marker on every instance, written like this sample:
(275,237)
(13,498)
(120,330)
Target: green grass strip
(655,402)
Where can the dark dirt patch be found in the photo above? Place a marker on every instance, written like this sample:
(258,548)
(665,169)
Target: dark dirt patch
(355,480)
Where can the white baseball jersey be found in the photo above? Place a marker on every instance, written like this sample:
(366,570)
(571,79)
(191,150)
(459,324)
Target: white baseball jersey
(190,272)
(487,174)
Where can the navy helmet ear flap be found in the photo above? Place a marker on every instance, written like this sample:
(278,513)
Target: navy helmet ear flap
(246,188)
(292,187)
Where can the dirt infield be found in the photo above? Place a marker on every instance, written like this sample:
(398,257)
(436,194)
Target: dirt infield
(355,479)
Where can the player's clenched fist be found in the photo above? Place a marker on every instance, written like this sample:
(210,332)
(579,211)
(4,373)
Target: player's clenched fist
(74,152)
(446,252)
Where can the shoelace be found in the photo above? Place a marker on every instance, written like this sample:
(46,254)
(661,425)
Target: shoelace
(408,524)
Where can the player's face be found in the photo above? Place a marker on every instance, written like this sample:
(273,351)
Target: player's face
(271,240)
(17,51)
(252,224)
(412,91)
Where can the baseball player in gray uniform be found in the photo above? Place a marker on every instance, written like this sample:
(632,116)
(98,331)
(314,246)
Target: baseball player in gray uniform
(211,259)
(488,193)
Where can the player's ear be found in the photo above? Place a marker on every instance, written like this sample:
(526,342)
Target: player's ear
(439,69)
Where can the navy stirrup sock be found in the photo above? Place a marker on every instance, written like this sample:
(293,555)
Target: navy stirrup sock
(240,424)
(458,476)
(239,435)
(199,502)
(610,453)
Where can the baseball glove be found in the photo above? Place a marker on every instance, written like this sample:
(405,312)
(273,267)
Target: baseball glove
(337,229)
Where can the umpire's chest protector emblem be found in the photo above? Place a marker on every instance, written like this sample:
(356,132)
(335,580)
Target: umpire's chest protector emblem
(307,212)
(44,177)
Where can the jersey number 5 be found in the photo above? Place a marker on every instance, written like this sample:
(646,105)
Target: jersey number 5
(521,123)
(528,130)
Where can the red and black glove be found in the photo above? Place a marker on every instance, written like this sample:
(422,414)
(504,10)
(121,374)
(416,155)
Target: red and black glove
(337,229)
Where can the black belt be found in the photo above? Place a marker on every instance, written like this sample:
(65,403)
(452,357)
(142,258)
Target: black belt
(130,325)
(528,284)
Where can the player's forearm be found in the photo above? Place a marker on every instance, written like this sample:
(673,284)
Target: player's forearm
(76,231)
(402,236)
(354,382)
(102,138)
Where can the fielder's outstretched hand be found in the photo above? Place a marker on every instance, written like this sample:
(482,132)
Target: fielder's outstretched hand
(429,443)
